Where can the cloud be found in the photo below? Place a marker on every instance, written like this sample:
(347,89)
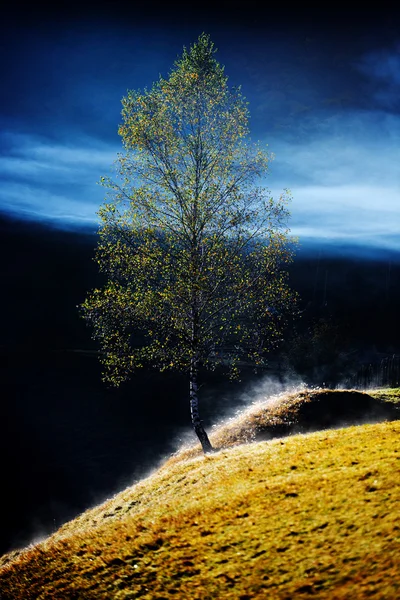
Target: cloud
(333,127)
(360,214)
(48,181)
(346,148)
(42,205)
(345,179)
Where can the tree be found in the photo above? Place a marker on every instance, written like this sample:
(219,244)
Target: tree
(193,251)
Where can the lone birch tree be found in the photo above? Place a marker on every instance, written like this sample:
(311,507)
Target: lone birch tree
(193,251)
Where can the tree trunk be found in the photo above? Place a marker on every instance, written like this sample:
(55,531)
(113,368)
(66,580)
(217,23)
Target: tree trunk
(194,411)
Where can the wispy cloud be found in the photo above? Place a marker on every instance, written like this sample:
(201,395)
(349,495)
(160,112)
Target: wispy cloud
(49,181)
(345,179)
(336,138)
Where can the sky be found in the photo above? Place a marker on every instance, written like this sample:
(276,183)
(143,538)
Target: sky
(323,90)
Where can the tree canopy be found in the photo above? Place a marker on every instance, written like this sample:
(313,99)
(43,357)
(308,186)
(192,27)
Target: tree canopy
(194,251)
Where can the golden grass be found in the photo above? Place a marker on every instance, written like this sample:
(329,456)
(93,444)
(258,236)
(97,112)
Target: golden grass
(300,411)
(307,516)
(386,394)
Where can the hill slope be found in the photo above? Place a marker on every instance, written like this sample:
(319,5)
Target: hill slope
(312,515)
(301,411)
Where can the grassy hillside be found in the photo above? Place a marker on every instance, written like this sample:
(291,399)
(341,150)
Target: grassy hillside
(311,515)
(301,411)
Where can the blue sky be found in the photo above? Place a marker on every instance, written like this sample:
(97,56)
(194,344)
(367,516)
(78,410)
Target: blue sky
(324,95)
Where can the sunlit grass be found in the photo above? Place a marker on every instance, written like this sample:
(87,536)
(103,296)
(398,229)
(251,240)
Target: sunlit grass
(386,394)
(310,515)
(302,410)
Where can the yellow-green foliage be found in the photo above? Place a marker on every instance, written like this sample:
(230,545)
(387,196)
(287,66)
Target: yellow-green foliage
(194,250)
(307,516)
